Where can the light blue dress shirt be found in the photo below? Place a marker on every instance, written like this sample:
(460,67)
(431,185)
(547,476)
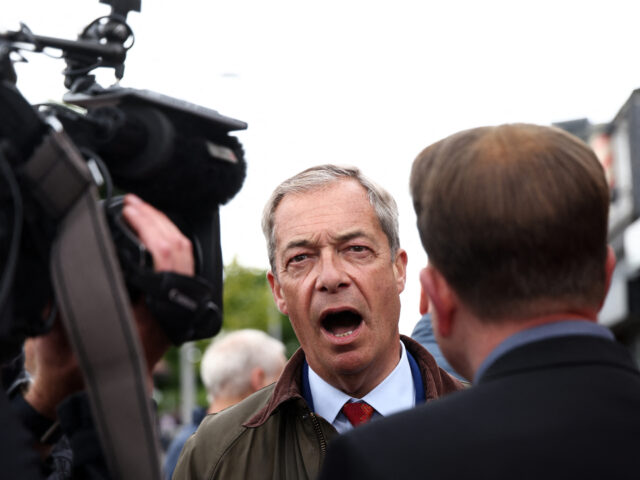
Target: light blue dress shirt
(393,394)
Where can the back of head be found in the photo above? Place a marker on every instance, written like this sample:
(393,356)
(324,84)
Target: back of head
(515,218)
(230,358)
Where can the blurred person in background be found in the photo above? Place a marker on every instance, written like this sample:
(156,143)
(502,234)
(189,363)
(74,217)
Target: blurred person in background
(233,366)
(423,334)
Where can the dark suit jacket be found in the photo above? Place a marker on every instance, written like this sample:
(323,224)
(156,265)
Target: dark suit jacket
(560,408)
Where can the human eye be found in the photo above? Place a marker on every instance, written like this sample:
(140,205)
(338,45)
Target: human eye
(298,258)
(358,250)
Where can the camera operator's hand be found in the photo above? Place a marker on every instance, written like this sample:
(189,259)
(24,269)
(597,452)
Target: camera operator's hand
(170,249)
(56,373)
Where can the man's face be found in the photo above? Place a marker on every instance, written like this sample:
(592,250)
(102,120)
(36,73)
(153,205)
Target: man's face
(338,284)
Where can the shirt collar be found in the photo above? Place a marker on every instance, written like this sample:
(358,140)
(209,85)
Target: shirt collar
(542,332)
(393,394)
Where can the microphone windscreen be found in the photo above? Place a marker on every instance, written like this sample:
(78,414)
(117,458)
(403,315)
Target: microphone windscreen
(202,174)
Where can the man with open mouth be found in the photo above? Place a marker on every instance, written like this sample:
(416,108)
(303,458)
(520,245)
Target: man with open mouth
(337,271)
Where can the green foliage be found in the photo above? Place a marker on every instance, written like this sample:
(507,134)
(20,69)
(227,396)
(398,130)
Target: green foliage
(247,303)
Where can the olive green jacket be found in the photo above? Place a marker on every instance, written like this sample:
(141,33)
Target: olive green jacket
(273,434)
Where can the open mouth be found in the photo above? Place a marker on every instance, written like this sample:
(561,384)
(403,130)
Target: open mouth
(341,324)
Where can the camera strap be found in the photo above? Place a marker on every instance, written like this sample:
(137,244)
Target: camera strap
(95,308)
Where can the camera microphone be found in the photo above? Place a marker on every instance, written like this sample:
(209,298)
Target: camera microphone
(175,161)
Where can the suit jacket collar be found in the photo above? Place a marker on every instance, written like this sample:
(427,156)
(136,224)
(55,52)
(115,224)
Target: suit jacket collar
(548,330)
(559,352)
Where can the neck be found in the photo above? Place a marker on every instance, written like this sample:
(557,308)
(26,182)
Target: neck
(360,383)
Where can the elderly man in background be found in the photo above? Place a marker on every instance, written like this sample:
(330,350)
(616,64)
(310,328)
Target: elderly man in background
(514,221)
(337,271)
(233,366)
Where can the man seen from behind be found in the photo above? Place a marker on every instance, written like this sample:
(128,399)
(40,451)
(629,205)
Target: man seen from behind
(514,221)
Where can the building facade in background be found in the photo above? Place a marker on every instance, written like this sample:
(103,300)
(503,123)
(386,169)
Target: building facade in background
(617,145)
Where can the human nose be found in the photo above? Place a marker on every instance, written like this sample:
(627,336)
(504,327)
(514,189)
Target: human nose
(331,274)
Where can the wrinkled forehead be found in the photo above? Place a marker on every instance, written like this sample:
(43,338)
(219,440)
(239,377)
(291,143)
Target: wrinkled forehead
(335,209)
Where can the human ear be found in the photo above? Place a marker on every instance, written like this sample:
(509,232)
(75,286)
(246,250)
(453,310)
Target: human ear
(609,267)
(424,301)
(441,298)
(400,269)
(257,379)
(276,291)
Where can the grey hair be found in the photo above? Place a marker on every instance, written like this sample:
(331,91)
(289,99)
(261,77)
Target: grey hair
(316,177)
(229,359)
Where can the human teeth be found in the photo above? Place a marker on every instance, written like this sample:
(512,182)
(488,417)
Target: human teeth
(344,334)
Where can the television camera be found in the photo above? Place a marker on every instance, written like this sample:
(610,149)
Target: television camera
(176,155)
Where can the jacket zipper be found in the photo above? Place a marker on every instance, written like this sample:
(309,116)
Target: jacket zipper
(323,442)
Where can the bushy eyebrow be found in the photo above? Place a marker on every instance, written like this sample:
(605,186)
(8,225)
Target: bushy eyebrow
(351,235)
(298,243)
(345,237)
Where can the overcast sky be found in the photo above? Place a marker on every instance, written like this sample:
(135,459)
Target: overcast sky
(367,83)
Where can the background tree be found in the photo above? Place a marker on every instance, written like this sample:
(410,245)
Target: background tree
(248,304)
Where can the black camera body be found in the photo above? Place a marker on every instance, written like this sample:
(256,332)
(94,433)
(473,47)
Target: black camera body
(178,156)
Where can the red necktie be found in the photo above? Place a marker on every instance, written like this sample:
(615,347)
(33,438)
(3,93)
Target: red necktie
(357,412)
